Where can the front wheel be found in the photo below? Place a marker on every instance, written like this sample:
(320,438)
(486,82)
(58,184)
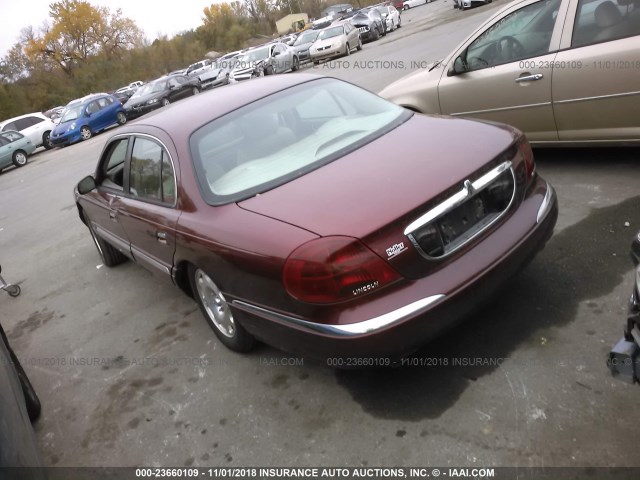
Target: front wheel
(165,102)
(296,64)
(109,255)
(86,133)
(359,44)
(376,34)
(195,91)
(19,158)
(347,50)
(217,312)
(121,118)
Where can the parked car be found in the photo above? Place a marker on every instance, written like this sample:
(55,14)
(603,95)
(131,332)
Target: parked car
(197,68)
(303,43)
(624,358)
(265,60)
(335,11)
(288,39)
(335,41)
(86,116)
(219,72)
(36,126)
(20,406)
(407,4)
(370,24)
(464,4)
(15,148)
(391,16)
(54,114)
(526,66)
(227,196)
(160,93)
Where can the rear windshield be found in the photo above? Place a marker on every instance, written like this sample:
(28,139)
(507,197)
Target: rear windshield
(286,135)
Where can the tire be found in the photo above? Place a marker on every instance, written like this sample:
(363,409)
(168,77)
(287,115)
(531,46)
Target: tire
(384,29)
(195,91)
(268,70)
(359,47)
(376,34)
(316,62)
(19,158)
(110,255)
(165,102)
(217,312)
(31,400)
(296,64)
(85,133)
(347,50)
(399,22)
(46,140)
(121,118)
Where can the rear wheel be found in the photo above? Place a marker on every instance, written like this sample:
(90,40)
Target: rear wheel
(218,313)
(86,133)
(121,118)
(19,158)
(46,140)
(31,400)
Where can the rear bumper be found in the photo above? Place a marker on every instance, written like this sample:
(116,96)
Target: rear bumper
(411,315)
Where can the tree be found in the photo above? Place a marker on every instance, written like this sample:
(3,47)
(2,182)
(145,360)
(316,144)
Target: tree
(79,31)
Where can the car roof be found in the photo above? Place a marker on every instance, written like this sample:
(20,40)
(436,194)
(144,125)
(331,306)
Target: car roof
(34,114)
(193,112)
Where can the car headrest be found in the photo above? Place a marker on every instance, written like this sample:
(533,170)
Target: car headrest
(607,14)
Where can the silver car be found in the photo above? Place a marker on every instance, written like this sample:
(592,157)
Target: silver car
(14,149)
(334,41)
(265,60)
(566,72)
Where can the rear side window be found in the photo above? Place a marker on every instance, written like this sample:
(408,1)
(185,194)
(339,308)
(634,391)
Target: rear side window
(151,173)
(600,21)
(10,126)
(34,120)
(22,123)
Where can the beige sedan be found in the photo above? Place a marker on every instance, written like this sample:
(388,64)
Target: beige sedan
(566,72)
(334,41)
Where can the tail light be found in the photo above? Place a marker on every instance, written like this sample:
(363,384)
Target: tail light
(524,149)
(334,269)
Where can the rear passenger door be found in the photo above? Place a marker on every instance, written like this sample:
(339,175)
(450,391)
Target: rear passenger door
(148,213)
(596,82)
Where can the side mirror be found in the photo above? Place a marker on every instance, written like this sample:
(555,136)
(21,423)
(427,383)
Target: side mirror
(86,185)
(459,66)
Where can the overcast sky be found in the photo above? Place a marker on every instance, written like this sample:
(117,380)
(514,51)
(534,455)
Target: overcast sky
(154,17)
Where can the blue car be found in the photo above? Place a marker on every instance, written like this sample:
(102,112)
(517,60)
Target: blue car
(84,117)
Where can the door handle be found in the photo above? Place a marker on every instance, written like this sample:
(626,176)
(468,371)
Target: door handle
(113,215)
(529,78)
(161,237)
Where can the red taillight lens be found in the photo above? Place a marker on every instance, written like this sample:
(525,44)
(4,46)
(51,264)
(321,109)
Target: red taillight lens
(527,155)
(334,269)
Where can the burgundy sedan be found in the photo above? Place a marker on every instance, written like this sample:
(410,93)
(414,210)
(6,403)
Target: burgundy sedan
(317,217)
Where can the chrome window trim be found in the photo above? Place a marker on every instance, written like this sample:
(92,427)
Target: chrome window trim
(173,166)
(469,190)
(371,325)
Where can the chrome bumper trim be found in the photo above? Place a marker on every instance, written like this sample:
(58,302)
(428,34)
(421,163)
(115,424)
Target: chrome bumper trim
(457,199)
(547,201)
(345,331)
